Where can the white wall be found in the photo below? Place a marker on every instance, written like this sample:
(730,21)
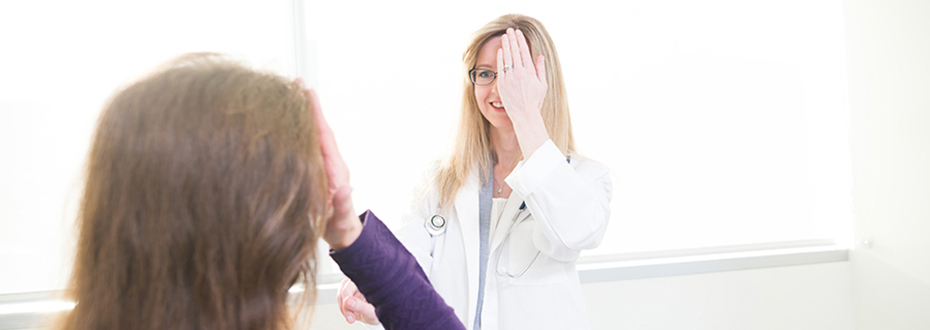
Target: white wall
(798,297)
(815,297)
(888,50)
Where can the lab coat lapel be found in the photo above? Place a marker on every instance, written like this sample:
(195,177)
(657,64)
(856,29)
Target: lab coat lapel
(503,224)
(466,208)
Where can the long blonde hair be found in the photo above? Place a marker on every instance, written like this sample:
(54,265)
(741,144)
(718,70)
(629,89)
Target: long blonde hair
(203,203)
(472,148)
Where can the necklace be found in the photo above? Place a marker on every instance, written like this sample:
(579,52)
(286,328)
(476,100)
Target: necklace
(500,184)
(500,190)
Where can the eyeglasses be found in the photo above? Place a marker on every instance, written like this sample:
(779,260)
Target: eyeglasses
(482,77)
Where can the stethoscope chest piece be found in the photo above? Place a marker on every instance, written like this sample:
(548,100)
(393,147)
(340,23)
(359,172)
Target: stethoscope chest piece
(436,225)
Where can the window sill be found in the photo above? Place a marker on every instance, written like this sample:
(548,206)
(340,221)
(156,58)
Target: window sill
(622,267)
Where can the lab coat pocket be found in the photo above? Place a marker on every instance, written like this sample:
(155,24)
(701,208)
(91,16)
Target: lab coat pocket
(525,258)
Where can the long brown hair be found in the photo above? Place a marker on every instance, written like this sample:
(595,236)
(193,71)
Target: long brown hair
(473,143)
(203,202)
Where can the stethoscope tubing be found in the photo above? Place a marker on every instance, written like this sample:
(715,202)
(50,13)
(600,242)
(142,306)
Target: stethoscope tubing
(436,226)
(500,249)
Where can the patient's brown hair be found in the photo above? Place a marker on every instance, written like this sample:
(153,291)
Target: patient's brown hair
(203,202)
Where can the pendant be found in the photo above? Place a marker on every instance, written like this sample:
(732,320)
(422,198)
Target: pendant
(500,191)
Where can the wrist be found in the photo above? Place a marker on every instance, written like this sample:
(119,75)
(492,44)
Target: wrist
(531,133)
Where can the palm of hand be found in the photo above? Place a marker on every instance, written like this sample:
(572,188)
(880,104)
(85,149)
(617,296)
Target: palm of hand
(521,82)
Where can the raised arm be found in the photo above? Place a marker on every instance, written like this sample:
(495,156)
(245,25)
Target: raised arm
(369,254)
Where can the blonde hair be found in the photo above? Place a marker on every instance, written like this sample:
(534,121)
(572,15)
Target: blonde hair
(203,202)
(472,148)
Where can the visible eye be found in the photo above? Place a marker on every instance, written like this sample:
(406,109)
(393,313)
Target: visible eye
(484,74)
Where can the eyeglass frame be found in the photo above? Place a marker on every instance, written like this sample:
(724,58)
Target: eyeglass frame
(470,77)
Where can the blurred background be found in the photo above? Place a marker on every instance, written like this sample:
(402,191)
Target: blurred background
(753,127)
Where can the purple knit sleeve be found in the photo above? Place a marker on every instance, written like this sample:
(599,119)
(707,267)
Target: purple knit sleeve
(391,280)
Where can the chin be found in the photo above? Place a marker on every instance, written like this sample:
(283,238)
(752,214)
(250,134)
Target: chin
(501,124)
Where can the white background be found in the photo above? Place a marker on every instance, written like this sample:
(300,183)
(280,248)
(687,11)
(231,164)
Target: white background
(60,61)
(724,122)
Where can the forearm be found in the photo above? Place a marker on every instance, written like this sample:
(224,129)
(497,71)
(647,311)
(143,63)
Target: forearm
(570,205)
(530,130)
(389,277)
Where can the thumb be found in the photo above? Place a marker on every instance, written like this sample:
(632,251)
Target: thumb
(343,226)
(364,311)
(342,203)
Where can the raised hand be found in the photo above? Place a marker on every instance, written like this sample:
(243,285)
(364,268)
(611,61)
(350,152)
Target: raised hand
(353,306)
(343,226)
(522,86)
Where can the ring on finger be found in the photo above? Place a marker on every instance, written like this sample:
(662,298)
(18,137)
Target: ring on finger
(507,67)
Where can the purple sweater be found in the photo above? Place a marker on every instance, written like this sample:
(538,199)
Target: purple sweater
(391,280)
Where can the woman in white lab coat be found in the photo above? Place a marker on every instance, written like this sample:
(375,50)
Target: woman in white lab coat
(501,222)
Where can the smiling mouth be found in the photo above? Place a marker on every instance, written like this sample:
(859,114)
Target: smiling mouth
(497,105)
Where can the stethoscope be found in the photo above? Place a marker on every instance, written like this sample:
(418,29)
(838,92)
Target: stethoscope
(436,226)
(500,249)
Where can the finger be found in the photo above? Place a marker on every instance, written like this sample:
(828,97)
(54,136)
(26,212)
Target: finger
(524,50)
(335,166)
(361,310)
(541,69)
(366,313)
(500,76)
(343,227)
(350,317)
(339,295)
(500,66)
(347,289)
(514,49)
(326,133)
(347,312)
(327,140)
(505,47)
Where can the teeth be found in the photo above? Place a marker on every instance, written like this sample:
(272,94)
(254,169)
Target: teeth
(497,104)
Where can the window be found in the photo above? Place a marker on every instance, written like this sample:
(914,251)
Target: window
(67,61)
(724,121)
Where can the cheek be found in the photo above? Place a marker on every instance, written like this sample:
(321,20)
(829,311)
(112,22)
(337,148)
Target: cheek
(481,93)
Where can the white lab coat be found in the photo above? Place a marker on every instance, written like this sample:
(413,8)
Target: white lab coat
(567,210)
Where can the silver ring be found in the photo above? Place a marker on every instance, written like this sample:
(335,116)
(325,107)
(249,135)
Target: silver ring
(507,67)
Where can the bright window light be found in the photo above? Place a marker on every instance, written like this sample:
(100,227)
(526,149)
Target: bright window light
(64,60)
(724,122)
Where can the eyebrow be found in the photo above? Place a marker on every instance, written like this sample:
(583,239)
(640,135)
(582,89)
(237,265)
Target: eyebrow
(485,66)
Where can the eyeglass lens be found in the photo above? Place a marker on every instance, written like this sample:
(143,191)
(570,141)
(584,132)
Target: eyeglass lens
(482,76)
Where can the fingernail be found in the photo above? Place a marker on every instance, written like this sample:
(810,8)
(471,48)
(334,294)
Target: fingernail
(350,318)
(350,303)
